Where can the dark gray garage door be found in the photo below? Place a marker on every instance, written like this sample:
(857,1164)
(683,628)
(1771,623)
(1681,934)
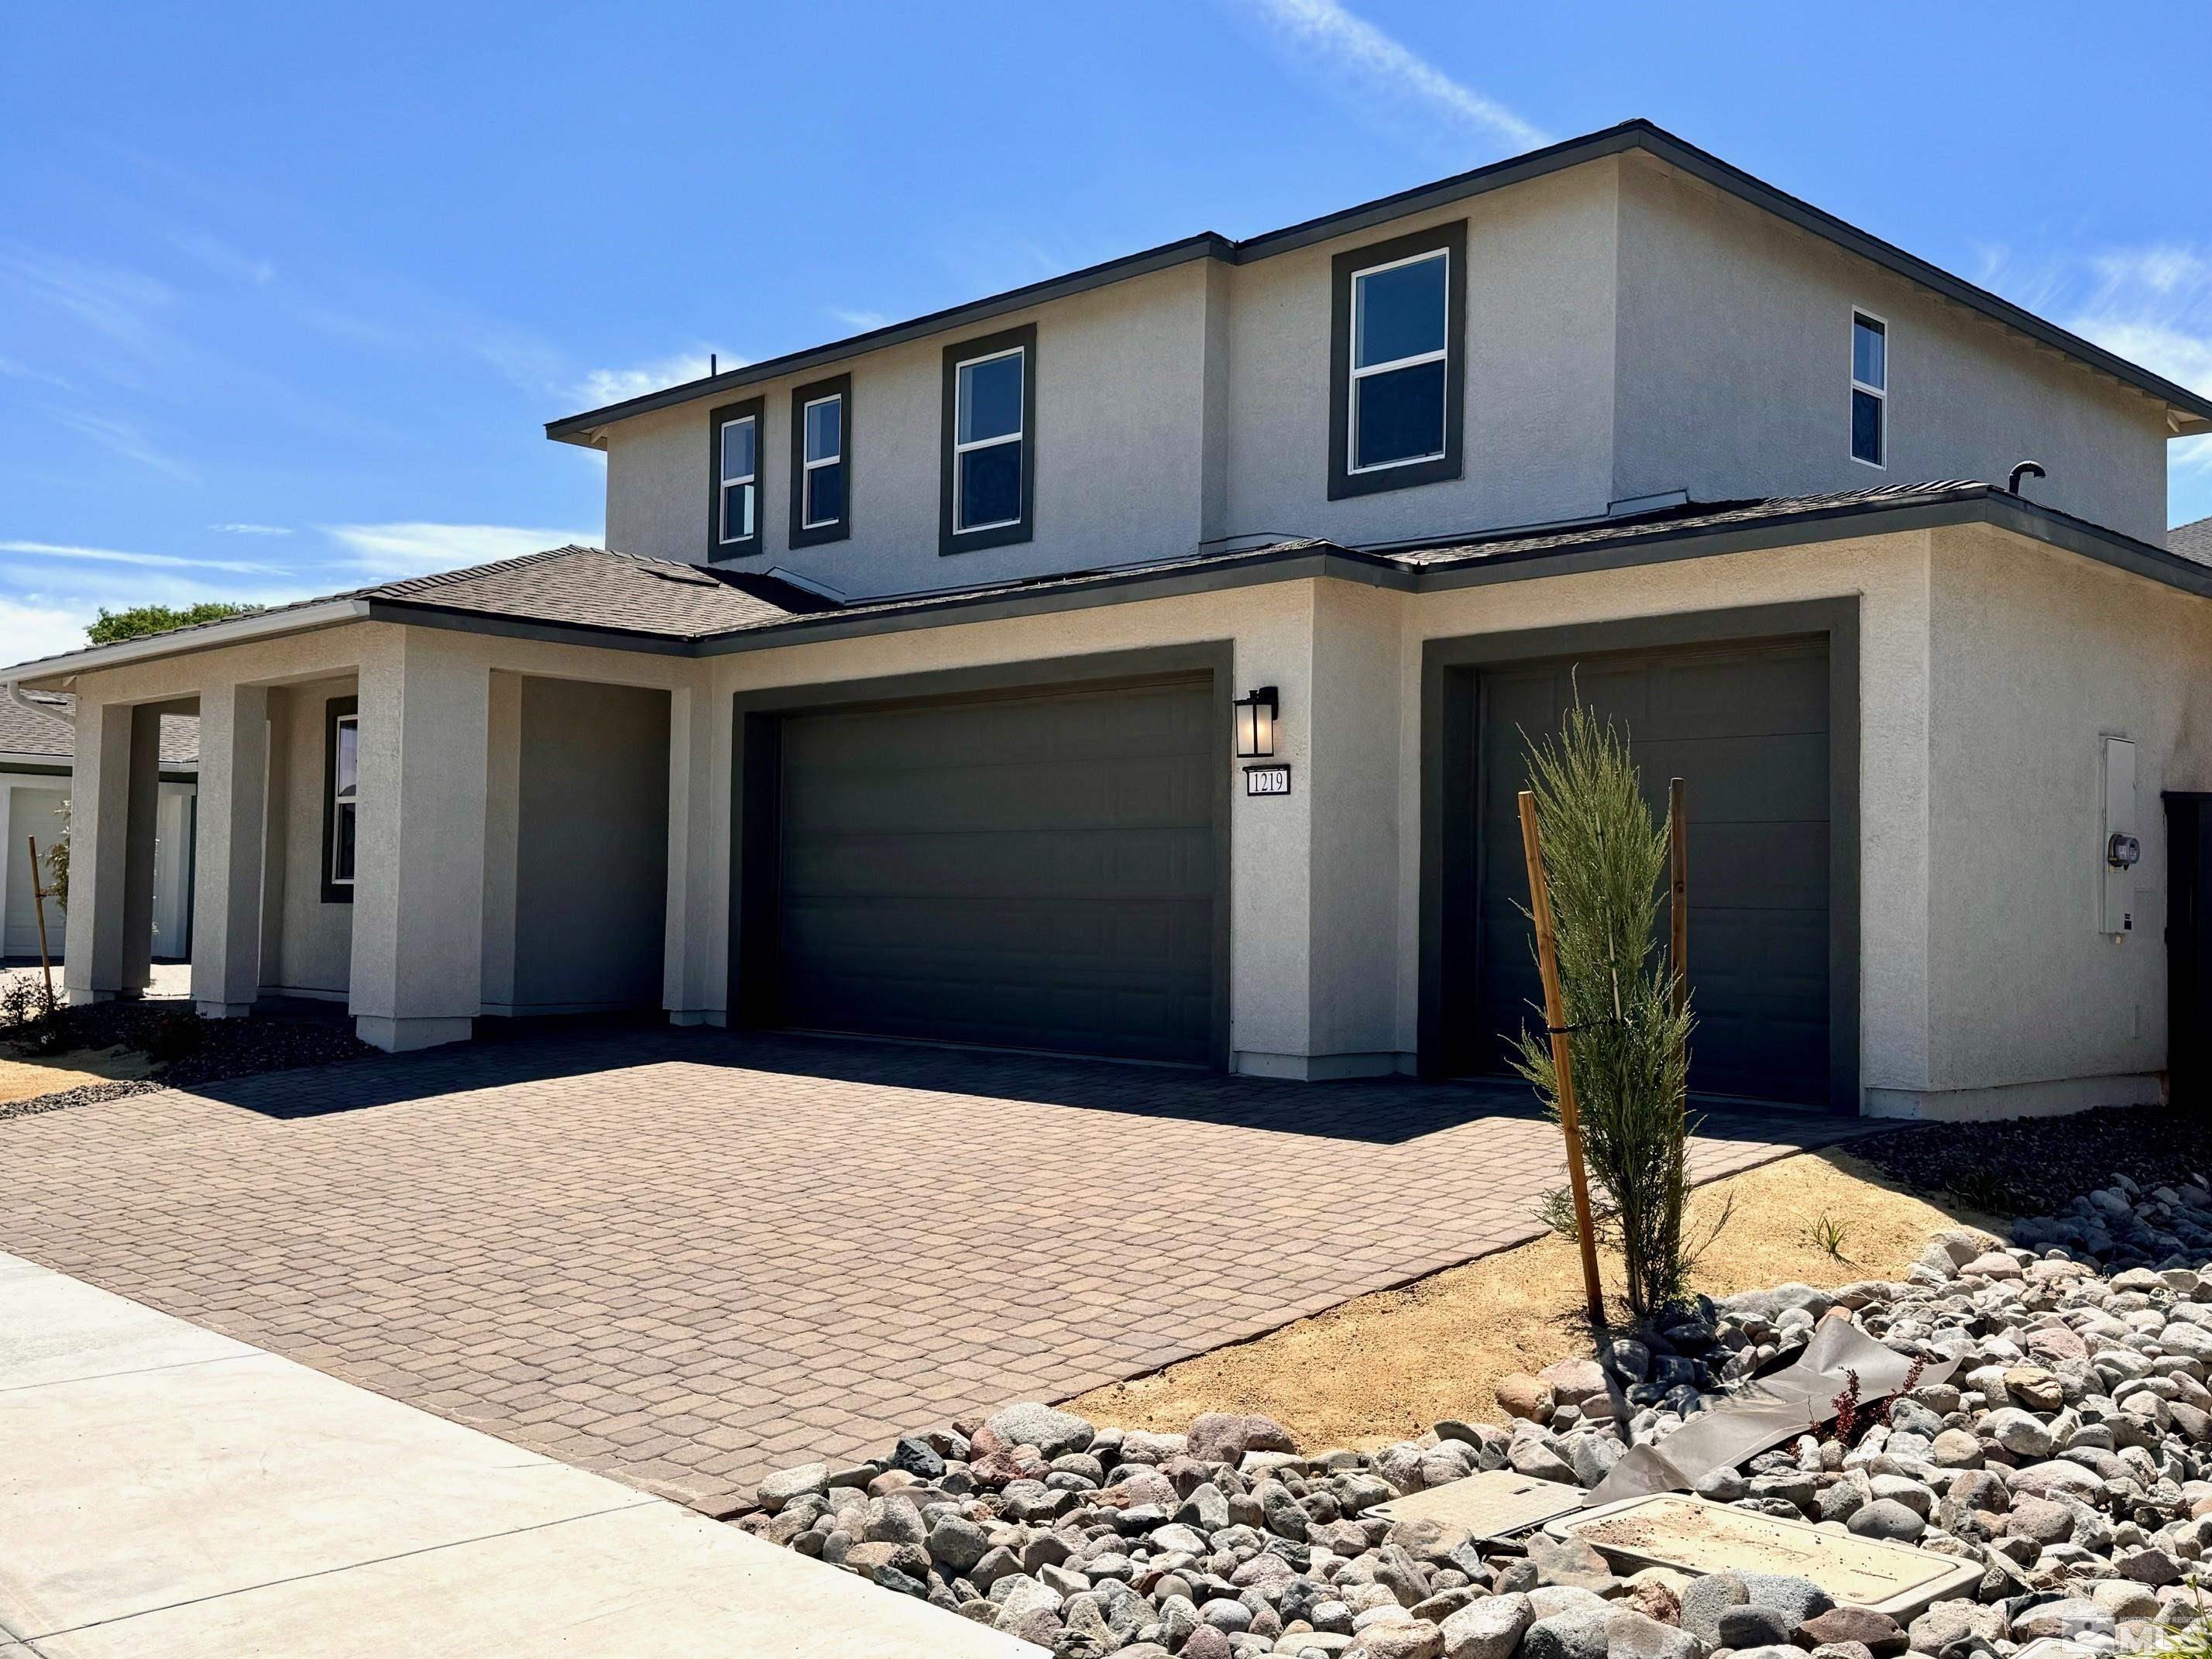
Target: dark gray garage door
(1034,870)
(1746,726)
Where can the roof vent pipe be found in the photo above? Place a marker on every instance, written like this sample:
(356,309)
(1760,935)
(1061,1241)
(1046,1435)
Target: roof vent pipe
(2025,469)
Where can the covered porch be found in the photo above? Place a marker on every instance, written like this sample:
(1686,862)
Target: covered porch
(428,825)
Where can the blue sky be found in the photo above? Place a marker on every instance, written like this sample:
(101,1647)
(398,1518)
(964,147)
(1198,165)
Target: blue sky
(287,292)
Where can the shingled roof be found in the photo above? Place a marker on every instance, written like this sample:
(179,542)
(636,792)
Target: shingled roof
(2192,540)
(584,592)
(50,733)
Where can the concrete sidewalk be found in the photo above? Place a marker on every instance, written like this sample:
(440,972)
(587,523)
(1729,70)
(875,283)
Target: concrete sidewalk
(167,1491)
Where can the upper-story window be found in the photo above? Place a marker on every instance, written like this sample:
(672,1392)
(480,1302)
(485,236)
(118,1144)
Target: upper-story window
(734,441)
(988,464)
(1398,369)
(1870,389)
(822,461)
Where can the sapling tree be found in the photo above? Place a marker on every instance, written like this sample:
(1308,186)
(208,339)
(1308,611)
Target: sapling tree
(1605,857)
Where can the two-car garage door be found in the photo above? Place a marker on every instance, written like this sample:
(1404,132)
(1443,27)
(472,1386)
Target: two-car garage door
(1036,869)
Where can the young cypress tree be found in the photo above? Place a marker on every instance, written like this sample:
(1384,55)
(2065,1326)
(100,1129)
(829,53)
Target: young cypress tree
(1604,855)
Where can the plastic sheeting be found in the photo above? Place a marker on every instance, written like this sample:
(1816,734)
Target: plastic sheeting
(1794,1400)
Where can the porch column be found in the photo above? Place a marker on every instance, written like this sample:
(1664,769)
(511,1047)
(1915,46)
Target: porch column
(698,863)
(418,896)
(233,779)
(108,798)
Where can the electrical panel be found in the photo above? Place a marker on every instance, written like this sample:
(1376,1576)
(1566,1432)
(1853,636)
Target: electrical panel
(2121,847)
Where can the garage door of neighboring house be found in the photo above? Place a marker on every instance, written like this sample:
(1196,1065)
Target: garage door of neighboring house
(1748,727)
(35,813)
(1031,871)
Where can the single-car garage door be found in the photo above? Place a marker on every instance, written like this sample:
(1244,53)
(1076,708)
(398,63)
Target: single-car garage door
(1033,870)
(1746,726)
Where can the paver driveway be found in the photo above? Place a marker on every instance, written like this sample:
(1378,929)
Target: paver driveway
(684,1258)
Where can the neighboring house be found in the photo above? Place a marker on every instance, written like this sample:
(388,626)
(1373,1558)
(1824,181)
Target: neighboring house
(2192,540)
(912,704)
(38,733)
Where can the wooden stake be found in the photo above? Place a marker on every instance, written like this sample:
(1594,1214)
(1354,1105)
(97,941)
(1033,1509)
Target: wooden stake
(1555,1018)
(39,906)
(1678,912)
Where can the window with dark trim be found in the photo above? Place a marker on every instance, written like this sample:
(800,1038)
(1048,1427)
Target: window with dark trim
(822,462)
(341,797)
(987,474)
(1870,389)
(734,471)
(1398,363)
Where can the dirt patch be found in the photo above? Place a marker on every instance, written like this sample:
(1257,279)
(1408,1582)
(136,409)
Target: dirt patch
(28,1078)
(1388,1366)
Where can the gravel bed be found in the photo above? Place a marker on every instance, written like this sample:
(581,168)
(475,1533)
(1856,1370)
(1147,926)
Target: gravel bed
(87,1094)
(2069,1457)
(2035,1165)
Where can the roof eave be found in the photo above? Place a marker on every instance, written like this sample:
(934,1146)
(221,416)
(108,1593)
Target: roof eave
(49,673)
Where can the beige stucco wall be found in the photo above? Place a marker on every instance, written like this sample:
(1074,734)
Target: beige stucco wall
(1982,980)
(2036,655)
(1120,451)
(1538,394)
(1734,358)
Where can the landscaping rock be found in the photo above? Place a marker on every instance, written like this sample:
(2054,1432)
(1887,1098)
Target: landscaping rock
(1050,1431)
(1490,1628)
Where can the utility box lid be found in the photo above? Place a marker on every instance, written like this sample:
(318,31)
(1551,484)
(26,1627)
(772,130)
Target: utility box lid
(1496,1503)
(1692,1535)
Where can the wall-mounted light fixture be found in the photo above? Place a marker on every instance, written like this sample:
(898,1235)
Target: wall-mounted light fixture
(1255,723)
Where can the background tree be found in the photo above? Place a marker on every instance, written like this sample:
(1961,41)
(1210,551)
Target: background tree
(144,619)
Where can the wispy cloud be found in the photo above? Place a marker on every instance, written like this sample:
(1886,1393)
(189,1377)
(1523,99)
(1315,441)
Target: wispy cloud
(413,549)
(1378,73)
(859,321)
(251,529)
(2152,305)
(122,306)
(612,385)
(219,257)
(117,555)
(128,442)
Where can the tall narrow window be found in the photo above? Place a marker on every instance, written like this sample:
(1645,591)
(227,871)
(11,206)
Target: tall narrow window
(1397,341)
(1869,389)
(821,461)
(341,797)
(988,463)
(734,442)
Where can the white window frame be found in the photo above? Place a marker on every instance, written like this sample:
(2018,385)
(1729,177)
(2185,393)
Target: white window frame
(1880,393)
(1352,467)
(808,464)
(339,724)
(1019,435)
(722,461)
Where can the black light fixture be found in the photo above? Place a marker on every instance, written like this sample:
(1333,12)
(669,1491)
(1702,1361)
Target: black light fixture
(1255,723)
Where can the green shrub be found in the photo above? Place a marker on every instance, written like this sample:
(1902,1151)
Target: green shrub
(1606,857)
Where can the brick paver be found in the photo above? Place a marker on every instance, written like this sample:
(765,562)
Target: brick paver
(684,1258)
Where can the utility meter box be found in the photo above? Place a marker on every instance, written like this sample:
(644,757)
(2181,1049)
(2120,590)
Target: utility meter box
(2121,849)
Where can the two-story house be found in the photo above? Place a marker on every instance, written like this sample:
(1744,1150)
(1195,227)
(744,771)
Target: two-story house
(1138,663)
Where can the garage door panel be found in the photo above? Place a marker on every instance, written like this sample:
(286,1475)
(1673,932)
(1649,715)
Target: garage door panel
(1747,725)
(1035,871)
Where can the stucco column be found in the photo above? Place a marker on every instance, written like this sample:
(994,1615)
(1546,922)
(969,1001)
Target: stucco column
(419,871)
(141,828)
(696,968)
(234,782)
(502,838)
(100,816)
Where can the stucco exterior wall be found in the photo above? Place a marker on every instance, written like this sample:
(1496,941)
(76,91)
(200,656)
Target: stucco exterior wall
(1120,451)
(2037,655)
(1734,340)
(307,945)
(1538,392)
